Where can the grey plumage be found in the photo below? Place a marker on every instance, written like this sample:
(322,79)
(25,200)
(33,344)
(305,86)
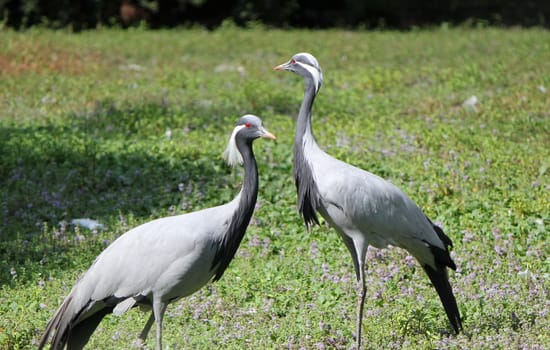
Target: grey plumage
(362,207)
(162,260)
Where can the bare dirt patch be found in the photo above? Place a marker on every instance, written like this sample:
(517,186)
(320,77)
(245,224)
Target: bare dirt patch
(32,58)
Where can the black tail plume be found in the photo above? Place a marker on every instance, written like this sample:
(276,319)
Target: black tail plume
(82,331)
(440,280)
(70,327)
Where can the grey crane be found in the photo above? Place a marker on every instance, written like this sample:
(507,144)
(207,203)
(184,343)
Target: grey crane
(163,260)
(363,208)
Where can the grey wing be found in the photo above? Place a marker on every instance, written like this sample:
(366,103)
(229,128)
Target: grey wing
(141,259)
(168,257)
(377,207)
(158,254)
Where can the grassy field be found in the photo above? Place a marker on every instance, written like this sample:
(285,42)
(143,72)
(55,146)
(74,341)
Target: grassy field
(127,126)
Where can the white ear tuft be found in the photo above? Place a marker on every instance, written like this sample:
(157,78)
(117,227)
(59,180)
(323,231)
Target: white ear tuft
(316,75)
(232,155)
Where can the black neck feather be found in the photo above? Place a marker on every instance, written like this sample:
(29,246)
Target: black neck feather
(230,242)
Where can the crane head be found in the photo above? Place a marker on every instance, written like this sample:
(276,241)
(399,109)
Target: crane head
(249,127)
(306,65)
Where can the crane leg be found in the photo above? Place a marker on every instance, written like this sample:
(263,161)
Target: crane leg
(159,307)
(348,241)
(361,253)
(143,335)
(360,306)
(357,245)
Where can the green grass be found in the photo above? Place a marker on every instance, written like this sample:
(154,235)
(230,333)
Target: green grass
(83,119)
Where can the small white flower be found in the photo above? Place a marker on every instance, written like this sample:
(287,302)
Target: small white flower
(87,223)
(470,104)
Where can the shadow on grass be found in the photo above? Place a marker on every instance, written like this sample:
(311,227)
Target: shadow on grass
(103,165)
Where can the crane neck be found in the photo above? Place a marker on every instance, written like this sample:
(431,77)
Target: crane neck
(303,127)
(230,241)
(309,198)
(249,189)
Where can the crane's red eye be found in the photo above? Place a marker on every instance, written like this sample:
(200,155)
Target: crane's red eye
(293,61)
(247,125)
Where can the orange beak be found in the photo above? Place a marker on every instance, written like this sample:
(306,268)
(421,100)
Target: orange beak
(268,135)
(280,67)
